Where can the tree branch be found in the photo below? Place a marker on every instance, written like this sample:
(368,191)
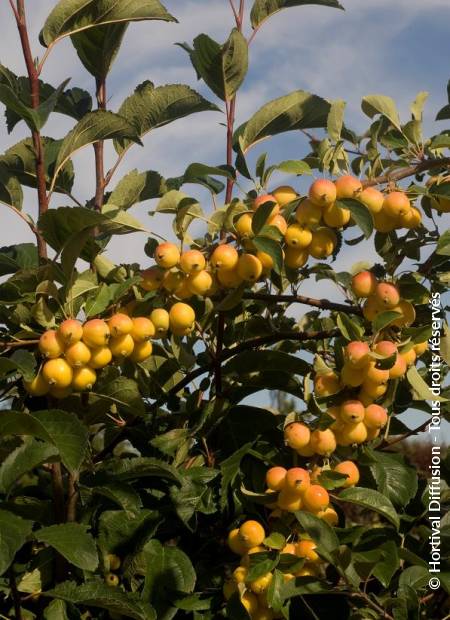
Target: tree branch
(15,594)
(324,304)
(386,445)
(100,183)
(403,173)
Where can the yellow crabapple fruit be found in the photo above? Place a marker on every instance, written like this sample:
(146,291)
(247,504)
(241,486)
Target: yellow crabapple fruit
(297,480)
(50,344)
(336,217)
(284,195)
(181,316)
(192,261)
(383,222)
(224,257)
(83,378)
(275,477)
(322,192)
(122,346)
(329,515)
(316,498)
(386,348)
(297,435)
(387,295)
(396,204)
(399,368)
(70,331)
(266,261)
(420,348)
(172,281)
(372,198)
(57,372)
(229,278)
(307,549)
(297,237)
(261,583)
(152,278)
(239,574)
(289,548)
(375,416)
(372,308)
(114,561)
(183,291)
(120,324)
(250,602)
(245,559)
(143,329)
(306,451)
(252,533)
(350,469)
(409,356)
(96,333)
(364,284)
(259,201)
(142,351)
(289,501)
(249,267)
(323,442)
(100,357)
(352,434)
(351,376)
(323,243)
(263,613)
(326,384)
(407,314)
(77,354)
(38,386)
(372,390)
(278,221)
(352,411)
(411,219)
(376,375)
(308,214)
(243,225)
(235,543)
(200,283)
(112,580)
(167,255)
(357,354)
(373,433)
(348,186)
(295,258)
(161,320)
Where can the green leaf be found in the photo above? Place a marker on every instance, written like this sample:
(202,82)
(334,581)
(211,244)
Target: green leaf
(98,594)
(262,9)
(13,258)
(335,119)
(48,106)
(57,610)
(73,542)
(395,479)
(94,126)
(121,494)
(275,540)
(272,248)
(322,534)
(360,214)
(98,47)
(149,108)
(275,589)
(121,531)
(261,215)
(14,532)
(71,16)
(384,319)
(10,189)
(137,187)
(289,166)
(380,104)
(168,570)
(61,428)
(262,563)
(421,390)
(418,104)
(443,244)
(349,327)
(267,360)
(298,110)
(195,170)
(416,577)
(13,103)
(222,67)
(123,392)
(140,467)
(372,500)
(22,460)
(21,361)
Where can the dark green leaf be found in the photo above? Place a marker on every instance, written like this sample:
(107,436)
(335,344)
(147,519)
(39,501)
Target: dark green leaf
(14,531)
(22,460)
(73,542)
(272,248)
(137,187)
(360,214)
(322,534)
(262,9)
(372,500)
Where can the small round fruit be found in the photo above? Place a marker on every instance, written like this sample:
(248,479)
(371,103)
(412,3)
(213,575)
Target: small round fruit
(295,258)
(297,480)
(323,442)
(266,198)
(141,351)
(372,308)
(122,346)
(161,320)
(352,377)
(96,333)
(250,602)
(235,543)
(375,416)
(50,344)
(352,434)
(120,324)
(297,237)
(323,243)
(348,187)
(57,372)
(383,222)
(224,257)
(396,204)
(306,452)
(376,375)
(387,295)
(275,477)
(289,548)
(372,390)
(364,284)
(240,574)
(183,291)
(172,281)
(357,354)
(243,226)
(386,348)
(329,515)
(167,255)
(70,331)
(181,316)
(143,329)
(279,222)
(399,369)
(284,195)
(411,219)
(373,433)
(336,217)
(409,356)
(77,354)
(407,314)
(249,268)
(263,613)
(200,283)
(297,435)
(111,580)
(308,214)
(307,549)
(266,261)
(350,469)
(245,560)
(322,192)
(420,348)
(372,198)
(38,386)
(352,411)
(84,378)
(114,561)
(326,384)
(316,498)
(261,583)
(100,357)
(252,533)
(152,278)
(289,501)
(192,261)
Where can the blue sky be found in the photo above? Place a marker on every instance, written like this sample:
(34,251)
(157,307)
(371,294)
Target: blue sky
(392,47)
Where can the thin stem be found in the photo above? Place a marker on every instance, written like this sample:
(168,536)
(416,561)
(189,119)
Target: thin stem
(99,151)
(324,304)
(33,77)
(24,217)
(15,594)
(72,498)
(410,433)
(403,173)
(219,349)
(236,16)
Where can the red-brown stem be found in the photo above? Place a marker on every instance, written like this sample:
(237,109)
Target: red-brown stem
(99,151)
(404,173)
(72,498)
(15,594)
(324,304)
(33,77)
(414,431)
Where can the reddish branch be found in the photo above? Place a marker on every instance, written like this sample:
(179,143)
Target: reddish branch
(100,182)
(33,76)
(386,445)
(403,173)
(324,304)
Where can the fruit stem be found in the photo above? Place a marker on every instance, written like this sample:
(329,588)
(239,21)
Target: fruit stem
(324,304)
(403,173)
(15,594)
(99,150)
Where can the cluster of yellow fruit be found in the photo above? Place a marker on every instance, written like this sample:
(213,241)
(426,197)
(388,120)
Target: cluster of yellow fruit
(382,297)
(296,489)
(74,352)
